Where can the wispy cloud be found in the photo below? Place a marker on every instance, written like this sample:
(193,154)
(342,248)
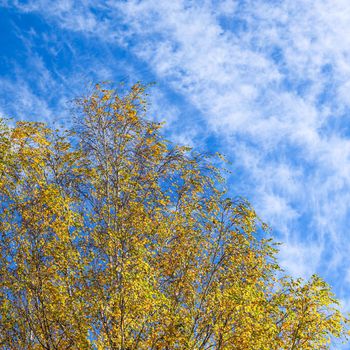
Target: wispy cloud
(271,77)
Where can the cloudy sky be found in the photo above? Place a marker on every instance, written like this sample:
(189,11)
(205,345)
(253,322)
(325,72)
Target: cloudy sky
(265,82)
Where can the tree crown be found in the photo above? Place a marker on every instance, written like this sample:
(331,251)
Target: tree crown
(111,237)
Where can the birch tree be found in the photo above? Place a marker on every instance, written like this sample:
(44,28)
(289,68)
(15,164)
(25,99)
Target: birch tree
(112,237)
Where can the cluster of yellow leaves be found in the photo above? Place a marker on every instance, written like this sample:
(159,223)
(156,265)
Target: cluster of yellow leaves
(113,238)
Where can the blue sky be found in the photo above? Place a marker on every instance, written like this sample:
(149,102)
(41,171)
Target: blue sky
(265,82)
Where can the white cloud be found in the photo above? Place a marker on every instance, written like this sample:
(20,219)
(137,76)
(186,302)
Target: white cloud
(299,259)
(274,103)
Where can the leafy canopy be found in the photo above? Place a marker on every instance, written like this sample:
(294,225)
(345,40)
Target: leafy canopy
(111,237)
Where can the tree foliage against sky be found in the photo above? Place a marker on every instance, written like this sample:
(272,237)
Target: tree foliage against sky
(111,237)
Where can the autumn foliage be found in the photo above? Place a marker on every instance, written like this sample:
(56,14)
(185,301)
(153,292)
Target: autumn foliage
(111,237)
